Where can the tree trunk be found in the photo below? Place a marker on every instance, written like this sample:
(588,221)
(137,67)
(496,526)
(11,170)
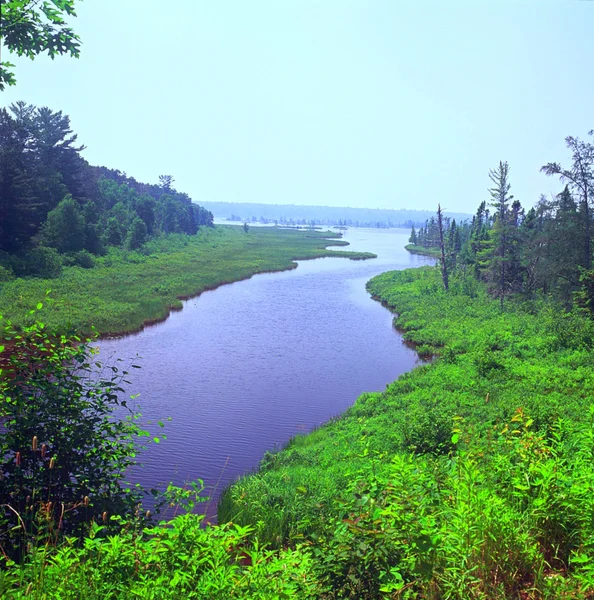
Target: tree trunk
(444,267)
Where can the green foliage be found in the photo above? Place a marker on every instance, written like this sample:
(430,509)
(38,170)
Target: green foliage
(29,29)
(137,234)
(64,228)
(82,258)
(113,234)
(43,262)
(51,195)
(64,454)
(414,249)
(470,477)
(547,250)
(6,274)
(175,559)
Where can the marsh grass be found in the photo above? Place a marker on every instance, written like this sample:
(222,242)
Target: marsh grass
(470,478)
(127,290)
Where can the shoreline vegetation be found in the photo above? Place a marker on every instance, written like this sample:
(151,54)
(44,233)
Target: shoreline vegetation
(128,290)
(423,251)
(468,477)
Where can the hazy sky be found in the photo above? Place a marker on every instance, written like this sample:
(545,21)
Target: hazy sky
(373,103)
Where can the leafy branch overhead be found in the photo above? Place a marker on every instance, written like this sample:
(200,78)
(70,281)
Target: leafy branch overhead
(31,27)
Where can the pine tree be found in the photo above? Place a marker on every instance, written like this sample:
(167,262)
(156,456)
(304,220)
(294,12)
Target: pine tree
(500,200)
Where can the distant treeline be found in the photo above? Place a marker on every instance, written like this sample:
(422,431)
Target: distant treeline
(57,209)
(292,214)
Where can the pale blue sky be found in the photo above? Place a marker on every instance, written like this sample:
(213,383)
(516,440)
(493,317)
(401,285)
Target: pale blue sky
(372,103)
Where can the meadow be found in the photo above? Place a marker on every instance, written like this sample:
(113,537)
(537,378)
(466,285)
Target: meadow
(126,290)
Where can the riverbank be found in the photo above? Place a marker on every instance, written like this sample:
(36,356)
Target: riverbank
(126,291)
(432,252)
(469,477)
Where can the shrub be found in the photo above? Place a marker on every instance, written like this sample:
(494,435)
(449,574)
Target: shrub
(6,274)
(64,454)
(82,258)
(43,262)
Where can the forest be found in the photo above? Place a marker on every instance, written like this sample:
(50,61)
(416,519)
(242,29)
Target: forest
(291,214)
(56,209)
(546,250)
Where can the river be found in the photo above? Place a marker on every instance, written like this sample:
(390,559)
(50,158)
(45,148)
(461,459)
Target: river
(243,368)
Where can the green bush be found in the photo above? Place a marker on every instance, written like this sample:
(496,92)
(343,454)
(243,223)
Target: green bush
(6,274)
(43,262)
(64,453)
(82,258)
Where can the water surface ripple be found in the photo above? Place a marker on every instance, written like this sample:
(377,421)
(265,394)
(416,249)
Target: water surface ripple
(243,368)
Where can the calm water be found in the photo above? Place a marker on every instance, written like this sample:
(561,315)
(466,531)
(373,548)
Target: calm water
(243,368)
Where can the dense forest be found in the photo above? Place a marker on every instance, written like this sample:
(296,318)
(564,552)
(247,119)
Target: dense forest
(56,209)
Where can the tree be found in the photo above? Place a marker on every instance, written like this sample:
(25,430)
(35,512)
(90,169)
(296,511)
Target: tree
(413,236)
(39,165)
(444,266)
(30,28)
(136,234)
(112,234)
(580,178)
(64,228)
(500,199)
(166,182)
(18,200)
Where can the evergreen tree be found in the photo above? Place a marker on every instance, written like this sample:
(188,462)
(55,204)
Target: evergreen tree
(499,271)
(113,234)
(580,178)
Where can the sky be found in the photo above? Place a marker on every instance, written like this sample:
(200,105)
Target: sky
(366,103)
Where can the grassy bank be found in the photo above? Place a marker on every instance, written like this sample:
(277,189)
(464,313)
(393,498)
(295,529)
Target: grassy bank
(126,290)
(414,249)
(470,477)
